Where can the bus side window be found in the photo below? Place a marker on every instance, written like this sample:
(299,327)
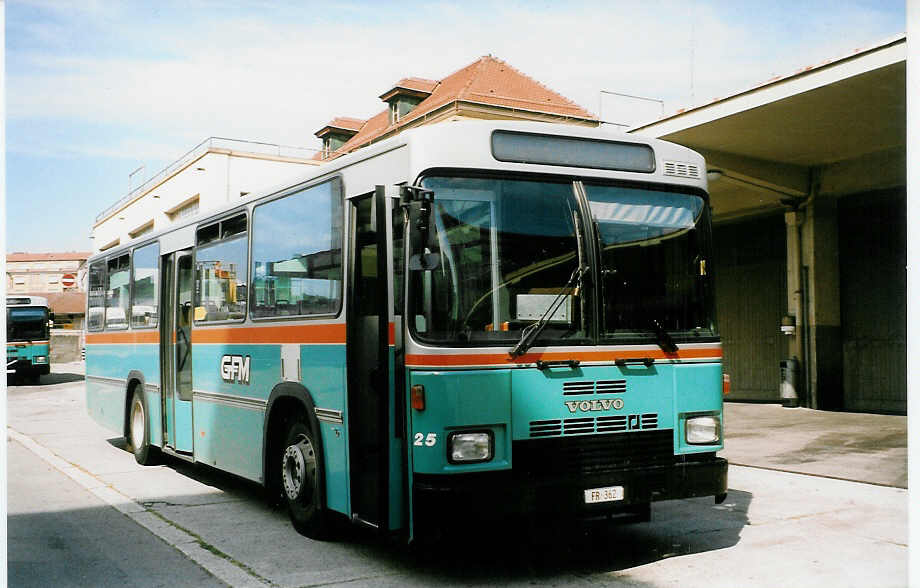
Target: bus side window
(221,269)
(95,311)
(297,253)
(118,286)
(145,278)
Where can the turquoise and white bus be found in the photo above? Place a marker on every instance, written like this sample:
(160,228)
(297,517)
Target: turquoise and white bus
(469,318)
(28,337)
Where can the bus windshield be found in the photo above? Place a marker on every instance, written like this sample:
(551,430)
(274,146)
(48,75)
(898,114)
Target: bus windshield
(26,324)
(505,253)
(654,255)
(505,250)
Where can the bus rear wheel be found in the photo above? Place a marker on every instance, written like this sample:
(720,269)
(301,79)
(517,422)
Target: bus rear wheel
(144,453)
(301,468)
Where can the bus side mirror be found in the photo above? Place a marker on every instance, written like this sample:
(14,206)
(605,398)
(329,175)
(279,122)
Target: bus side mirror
(50,320)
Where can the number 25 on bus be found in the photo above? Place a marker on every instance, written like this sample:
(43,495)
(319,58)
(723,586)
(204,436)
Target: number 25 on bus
(466,320)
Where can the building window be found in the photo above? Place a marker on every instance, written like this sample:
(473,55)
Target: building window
(110,244)
(186,209)
(401,106)
(142,230)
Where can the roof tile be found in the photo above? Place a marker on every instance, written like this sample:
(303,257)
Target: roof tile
(487,80)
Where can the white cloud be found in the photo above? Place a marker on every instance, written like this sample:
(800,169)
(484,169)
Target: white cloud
(280,81)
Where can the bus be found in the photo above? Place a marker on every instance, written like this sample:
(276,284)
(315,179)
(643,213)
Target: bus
(467,319)
(28,337)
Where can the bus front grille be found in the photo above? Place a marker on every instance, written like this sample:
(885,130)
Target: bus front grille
(591,387)
(592,454)
(586,425)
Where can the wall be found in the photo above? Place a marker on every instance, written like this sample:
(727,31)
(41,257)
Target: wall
(873,300)
(750,277)
(40,276)
(66,347)
(217,177)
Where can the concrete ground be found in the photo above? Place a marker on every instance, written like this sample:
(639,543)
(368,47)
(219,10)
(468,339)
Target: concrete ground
(775,529)
(862,447)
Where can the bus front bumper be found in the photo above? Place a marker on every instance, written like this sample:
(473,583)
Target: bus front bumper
(498,494)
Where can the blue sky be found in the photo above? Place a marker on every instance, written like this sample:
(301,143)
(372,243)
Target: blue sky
(97,88)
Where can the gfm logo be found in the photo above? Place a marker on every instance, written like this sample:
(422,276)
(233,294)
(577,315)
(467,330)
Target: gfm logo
(234,369)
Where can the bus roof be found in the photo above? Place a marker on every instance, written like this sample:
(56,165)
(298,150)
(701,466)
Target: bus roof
(12,300)
(467,144)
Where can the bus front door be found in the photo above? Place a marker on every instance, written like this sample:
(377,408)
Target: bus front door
(176,350)
(368,362)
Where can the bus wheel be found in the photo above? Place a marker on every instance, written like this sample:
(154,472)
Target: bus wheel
(144,453)
(300,469)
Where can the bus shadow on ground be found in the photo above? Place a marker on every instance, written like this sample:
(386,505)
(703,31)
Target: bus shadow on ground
(46,380)
(544,550)
(491,552)
(205,474)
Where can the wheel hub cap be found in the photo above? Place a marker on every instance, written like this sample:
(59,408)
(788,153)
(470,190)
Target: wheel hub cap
(137,425)
(298,469)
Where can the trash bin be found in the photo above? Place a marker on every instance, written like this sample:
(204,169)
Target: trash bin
(788,381)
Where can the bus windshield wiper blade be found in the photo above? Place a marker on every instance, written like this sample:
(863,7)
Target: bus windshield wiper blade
(663,338)
(530,333)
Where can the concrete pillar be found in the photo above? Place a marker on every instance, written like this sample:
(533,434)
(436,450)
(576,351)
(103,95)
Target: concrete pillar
(821,293)
(795,301)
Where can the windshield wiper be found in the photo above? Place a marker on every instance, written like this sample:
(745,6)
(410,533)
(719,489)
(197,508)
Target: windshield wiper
(530,333)
(663,338)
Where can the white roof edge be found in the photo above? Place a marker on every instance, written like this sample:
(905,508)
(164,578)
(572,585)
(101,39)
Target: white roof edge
(890,51)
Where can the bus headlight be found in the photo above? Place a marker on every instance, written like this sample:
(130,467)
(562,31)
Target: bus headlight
(703,430)
(40,359)
(469,447)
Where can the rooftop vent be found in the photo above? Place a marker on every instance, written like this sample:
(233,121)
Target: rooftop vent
(681,169)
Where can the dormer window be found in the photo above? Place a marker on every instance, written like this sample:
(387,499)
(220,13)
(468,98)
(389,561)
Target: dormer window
(405,96)
(337,133)
(401,106)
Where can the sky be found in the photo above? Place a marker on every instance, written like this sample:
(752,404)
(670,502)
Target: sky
(95,89)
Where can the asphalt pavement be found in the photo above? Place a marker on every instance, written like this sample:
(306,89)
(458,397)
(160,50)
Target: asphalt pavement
(59,534)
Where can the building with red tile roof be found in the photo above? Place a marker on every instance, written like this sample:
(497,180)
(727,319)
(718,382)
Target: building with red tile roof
(487,88)
(58,276)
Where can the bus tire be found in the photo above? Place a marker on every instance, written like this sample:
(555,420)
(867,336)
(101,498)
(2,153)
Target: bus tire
(138,435)
(300,471)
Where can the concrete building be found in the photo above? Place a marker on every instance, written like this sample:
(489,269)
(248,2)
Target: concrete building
(59,277)
(214,172)
(808,186)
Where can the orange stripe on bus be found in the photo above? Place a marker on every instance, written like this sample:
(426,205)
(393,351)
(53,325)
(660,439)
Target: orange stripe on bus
(461,359)
(22,343)
(326,333)
(151,336)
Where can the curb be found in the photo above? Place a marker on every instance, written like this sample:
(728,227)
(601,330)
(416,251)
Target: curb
(191,546)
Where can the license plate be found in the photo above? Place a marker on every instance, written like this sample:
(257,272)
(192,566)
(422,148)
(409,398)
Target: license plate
(607,494)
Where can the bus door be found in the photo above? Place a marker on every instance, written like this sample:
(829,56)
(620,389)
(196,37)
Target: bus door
(176,350)
(368,361)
